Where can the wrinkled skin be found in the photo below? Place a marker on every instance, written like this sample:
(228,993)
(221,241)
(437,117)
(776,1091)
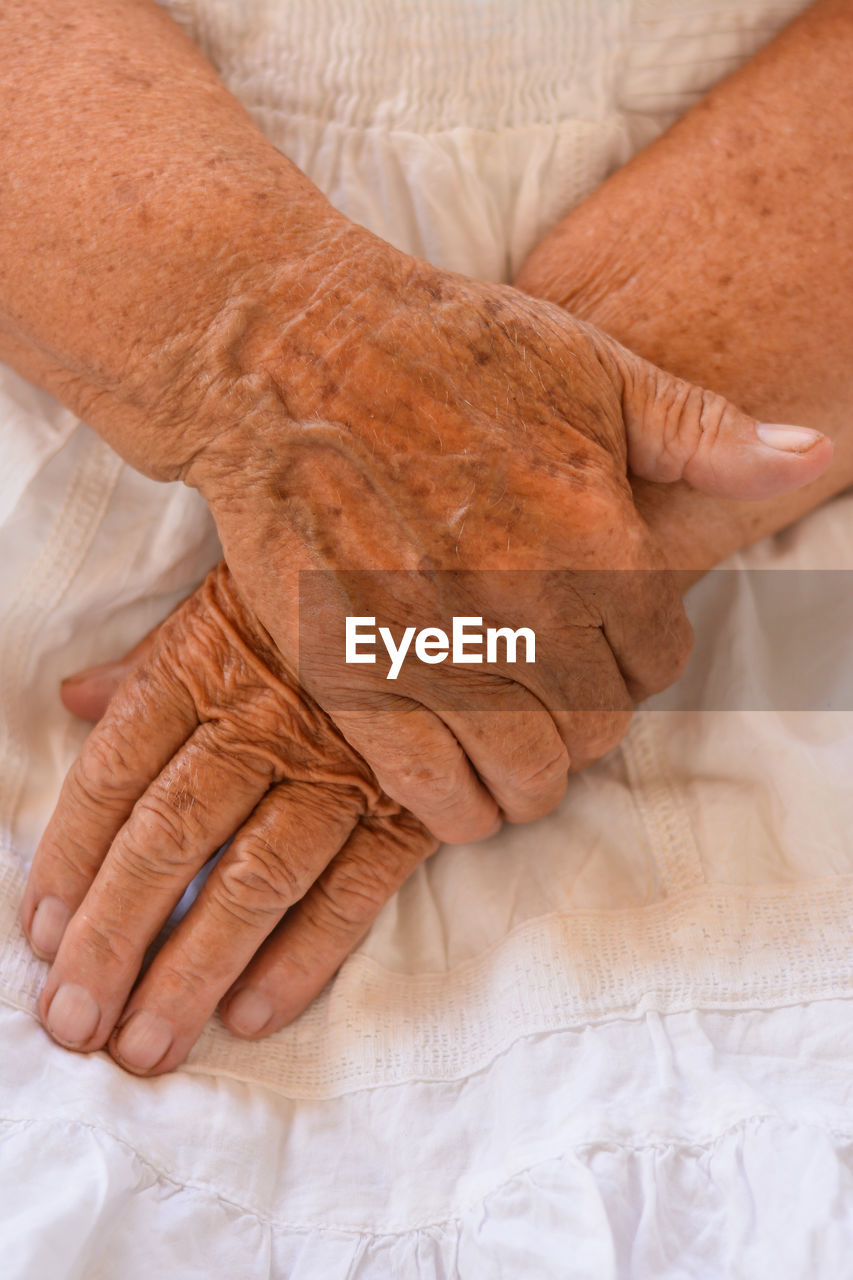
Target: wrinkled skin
(341,404)
(445,479)
(208,735)
(408,418)
(344,406)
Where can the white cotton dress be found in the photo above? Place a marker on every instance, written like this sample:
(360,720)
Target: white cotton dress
(617,1043)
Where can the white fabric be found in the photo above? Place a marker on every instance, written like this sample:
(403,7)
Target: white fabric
(616,1044)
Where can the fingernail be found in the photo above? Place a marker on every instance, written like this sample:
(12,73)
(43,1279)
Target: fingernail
(248,1012)
(780,435)
(73,1015)
(49,923)
(144,1040)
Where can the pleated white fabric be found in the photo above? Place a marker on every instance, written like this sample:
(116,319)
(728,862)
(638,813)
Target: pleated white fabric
(617,1043)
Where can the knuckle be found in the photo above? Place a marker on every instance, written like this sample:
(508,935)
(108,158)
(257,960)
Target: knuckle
(436,784)
(155,822)
(535,779)
(710,409)
(247,743)
(153,843)
(258,882)
(353,895)
(100,776)
(182,980)
(441,790)
(101,943)
(694,417)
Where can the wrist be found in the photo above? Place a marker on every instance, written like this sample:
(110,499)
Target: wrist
(280,359)
(169,364)
(130,256)
(718,254)
(659,284)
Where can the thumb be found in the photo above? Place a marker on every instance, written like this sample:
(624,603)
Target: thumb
(87,693)
(678,431)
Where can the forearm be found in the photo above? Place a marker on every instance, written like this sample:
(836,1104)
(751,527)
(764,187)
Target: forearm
(139,207)
(724,252)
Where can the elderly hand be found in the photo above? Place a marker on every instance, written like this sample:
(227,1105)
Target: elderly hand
(407,418)
(342,405)
(206,736)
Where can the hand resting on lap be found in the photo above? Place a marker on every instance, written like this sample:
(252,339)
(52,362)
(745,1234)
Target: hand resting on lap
(206,736)
(344,405)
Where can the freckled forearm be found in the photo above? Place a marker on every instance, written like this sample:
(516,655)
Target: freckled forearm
(724,252)
(135,195)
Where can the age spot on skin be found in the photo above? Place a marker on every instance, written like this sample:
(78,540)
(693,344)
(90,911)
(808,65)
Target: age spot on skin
(574,462)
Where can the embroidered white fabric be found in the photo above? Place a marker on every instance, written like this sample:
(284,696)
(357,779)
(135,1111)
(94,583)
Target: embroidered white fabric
(617,1043)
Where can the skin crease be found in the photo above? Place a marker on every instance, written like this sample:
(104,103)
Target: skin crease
(237,746)
(672,288)
(343,405)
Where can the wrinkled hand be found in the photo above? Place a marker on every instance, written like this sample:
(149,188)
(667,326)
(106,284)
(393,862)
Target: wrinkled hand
(342,405)
(408,418)
(207,735)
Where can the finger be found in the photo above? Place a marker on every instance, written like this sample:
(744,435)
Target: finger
(271,863)
(677,430)
(635,639)
(517,750)
(317,934)
(524,756)
(591,735)
(589,710)
(596,706)
(419,763)
(87,693)
(197,802)
(644,623)
(147,722)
